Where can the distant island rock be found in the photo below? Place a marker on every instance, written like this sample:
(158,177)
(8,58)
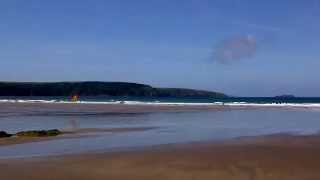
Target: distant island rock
(285,96)
(92,88)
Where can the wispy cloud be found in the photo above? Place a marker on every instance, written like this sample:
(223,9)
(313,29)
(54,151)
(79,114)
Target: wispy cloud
(236,48)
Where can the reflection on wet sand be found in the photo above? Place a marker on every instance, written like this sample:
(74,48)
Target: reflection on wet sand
(71,133)
(97,128)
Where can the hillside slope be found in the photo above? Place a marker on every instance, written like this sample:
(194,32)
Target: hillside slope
(96,89)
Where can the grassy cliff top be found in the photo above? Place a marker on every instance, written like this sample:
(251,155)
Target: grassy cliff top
(95,88)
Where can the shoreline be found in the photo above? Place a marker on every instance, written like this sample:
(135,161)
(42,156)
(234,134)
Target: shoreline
(278,156)
(153,107)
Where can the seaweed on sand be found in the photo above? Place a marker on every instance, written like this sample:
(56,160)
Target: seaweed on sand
(4,134)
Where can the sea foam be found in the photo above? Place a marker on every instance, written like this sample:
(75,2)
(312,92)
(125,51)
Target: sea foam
(159,103)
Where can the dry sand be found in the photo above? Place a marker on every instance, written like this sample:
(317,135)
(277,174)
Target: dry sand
(277,157)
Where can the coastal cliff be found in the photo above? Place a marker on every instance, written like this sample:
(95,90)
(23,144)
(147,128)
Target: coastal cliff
(91,88)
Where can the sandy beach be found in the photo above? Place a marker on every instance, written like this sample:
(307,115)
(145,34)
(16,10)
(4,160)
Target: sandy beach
(276,157)
(114,108)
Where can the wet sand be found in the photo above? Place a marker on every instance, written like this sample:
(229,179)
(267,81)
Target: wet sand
(70,133)
(274,157)
(136,108)
(112,108)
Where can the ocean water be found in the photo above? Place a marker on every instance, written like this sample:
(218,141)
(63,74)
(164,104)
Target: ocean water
(306,101)
(181,126)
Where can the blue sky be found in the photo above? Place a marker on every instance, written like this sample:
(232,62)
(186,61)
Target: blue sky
(269,47)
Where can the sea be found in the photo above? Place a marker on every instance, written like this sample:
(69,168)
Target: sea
(307,101)
(258,116)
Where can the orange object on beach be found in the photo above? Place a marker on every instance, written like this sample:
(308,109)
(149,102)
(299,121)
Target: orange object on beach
(74,98)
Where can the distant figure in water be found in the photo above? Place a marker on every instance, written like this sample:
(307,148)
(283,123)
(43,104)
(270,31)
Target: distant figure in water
(74,98)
